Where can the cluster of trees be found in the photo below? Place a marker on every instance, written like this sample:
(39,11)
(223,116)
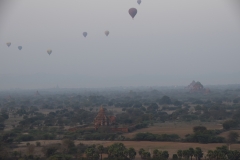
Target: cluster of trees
(163,155)
(234,122)
(202,135)
(189,154)
(223,153)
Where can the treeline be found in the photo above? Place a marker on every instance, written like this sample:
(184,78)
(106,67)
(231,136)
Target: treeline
(67,150)
(200,135)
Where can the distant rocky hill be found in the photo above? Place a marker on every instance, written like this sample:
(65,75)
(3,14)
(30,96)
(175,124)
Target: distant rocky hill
(197,87)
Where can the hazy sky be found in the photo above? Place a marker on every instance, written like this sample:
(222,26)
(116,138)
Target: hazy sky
(170,42)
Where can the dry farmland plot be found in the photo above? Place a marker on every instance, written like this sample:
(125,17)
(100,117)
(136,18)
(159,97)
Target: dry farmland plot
(171,147)
(180,128)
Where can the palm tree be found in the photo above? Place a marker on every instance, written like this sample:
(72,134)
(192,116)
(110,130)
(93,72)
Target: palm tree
(191,152)
(155,153)
(216,154)
(210,154)
(90,152)
(185,154)
(146,155)
(101,150)
(131,153)
(179,153)
(140,152)
(198,154)
(232,138)
(165,154)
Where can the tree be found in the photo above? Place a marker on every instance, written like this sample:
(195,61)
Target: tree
(191,152)
(156,153)
(210,154)
(117,151)
(67,145)
(160,155)
(217,154)
(230,124)
(179,154)
(80,150)
(165,100)
(146,155)
(100,150)
(131,153)
(223,150)
(165,154)
(233,155)
(232,138)
(198,154)
(140,152)
(175,157)
(91,153)
(185,154)
(50,150)
(199,129)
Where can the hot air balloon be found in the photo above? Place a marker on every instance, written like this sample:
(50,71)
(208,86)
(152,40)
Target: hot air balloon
(132,12)
(106,33)
(139,2)
(20,48)
(49,51)
(85,34)
(8,44)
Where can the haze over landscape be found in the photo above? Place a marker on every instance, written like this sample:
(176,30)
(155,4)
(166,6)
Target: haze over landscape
(168,43)
(119,80)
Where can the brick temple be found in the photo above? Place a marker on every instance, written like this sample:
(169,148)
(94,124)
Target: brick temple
(102,120)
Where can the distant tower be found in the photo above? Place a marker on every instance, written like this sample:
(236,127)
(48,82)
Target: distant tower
(37,93)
